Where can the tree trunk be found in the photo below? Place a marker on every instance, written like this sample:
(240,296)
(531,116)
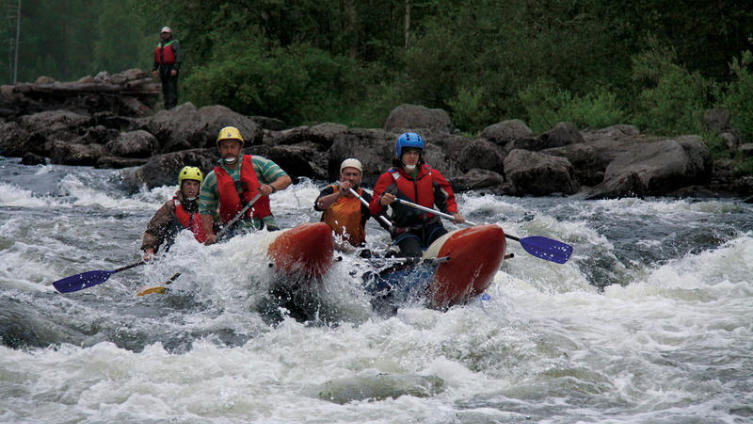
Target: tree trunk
(407,23)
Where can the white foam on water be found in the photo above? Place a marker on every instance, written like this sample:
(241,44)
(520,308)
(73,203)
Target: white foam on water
(14,196)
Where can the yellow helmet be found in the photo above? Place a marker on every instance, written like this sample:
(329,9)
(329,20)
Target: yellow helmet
(229,133)
(189,173)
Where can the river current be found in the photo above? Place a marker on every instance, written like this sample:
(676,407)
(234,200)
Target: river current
(651,320)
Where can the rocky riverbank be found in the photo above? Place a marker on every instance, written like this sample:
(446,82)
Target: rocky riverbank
(109,121)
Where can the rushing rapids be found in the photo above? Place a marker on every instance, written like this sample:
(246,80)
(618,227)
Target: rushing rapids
(649,321)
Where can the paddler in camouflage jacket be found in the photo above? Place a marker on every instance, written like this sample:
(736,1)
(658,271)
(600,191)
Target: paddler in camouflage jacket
(235,182)
(180,212)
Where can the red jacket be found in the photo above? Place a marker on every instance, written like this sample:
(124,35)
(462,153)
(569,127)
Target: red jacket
(429,188)
(191,221)
(164,54)
(230,202)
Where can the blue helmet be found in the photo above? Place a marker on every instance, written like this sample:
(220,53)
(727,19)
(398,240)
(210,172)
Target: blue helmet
(409,140)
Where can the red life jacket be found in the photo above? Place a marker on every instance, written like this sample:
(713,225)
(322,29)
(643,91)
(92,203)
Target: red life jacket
(345,217)
(419,190)
(164,54)
(230,202)
(192,221)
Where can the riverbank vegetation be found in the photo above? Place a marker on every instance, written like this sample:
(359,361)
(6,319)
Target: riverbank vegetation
(657,65)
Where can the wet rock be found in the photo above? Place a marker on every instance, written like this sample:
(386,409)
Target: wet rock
(185,127)
(481,154)
(267,123)
(415,117)
(300,160)
(379,387)
(134,144)
(652,168)
(322,135)
(54,121)
(504,132)
(65,153)
(539,174)
(13,139)
(163,169)
(32,159)
(563,134)
(373,147)
(476,179)
(116,162)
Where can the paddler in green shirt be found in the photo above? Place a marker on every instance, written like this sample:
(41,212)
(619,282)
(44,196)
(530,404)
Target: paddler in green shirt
(235,182)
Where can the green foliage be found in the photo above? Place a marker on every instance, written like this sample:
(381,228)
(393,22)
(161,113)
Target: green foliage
(546,105)
(672,99)
(739,95)
(295,83)
(470,111)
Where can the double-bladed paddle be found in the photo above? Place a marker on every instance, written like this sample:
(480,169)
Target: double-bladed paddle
(541,247)
(92,278)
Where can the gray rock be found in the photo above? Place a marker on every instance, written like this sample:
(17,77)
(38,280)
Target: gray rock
(504,132)
(538,174)
(322,135)
(32,159)
(481,154)
(54,121)
(133,144)
(300,160)
(163,169)
(66,153)
(184,127)
(116,162)
(476,179)
(415,117)
(652,168)
(563,134)
(374,148)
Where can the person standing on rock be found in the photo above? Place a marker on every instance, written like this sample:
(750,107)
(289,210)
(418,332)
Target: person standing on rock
(167,58)
(180,212)
(342,211)
(413,180)
(235,182)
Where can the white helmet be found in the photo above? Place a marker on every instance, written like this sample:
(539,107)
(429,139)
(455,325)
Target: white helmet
(351,163)
(166,29)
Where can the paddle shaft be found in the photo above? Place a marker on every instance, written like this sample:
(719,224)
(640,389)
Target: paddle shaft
(237,217)
(430,210)
(365,203)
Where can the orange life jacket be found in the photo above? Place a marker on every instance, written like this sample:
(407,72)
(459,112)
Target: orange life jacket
(230,202)
(192,221)
(344,217)
(164,54)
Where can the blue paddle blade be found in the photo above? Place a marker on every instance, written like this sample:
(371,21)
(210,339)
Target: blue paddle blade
(82,281)
(547,249)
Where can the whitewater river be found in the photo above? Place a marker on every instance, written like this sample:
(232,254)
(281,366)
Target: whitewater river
(651,321)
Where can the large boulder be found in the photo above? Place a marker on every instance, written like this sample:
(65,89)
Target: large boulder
(504,132)
(374,148)
(163,169)
(600,147)
(538,174)
(66,153)
(300,160)
(476,179)
(481,154)
(563,134)
(322,135)
(133,144)
(55,122)
(13,139)
(654,168)
(185,127)
(416,117)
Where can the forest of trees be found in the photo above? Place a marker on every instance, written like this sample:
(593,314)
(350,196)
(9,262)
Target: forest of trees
(652,63)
